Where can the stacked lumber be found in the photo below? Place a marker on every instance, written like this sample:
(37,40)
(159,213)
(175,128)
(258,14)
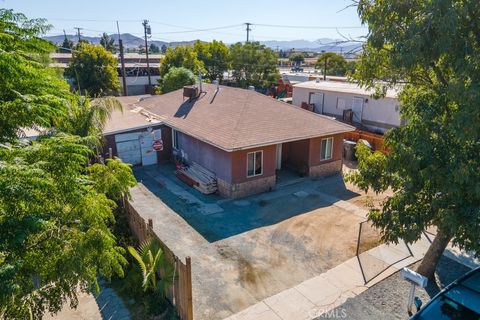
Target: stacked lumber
(197,176)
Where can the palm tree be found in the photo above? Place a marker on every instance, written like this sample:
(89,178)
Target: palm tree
(88,117)
(157,272)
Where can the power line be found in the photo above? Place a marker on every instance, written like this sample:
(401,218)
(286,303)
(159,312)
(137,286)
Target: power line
(308,27)
(202,30)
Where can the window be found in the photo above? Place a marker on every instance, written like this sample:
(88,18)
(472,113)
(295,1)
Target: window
(254,163)
(175,139)
(326,149)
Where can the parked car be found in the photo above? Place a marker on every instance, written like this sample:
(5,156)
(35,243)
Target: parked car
(460,300)
(297,69)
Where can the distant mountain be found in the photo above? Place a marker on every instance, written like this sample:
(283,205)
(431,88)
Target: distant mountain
(326,44)
(129,40)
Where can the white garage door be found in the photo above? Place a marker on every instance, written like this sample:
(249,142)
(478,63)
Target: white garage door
(129,152)
(149,156)
(136,148)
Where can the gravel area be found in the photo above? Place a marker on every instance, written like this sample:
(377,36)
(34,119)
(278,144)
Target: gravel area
(388,298)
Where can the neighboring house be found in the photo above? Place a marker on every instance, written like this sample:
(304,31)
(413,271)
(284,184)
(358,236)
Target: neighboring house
(334,98)
(242,136)
(135,69)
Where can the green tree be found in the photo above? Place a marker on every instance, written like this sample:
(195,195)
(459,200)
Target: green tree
(163,49)
(336,64)
(66,46)
(107,42)
(153,48)
(93,70)
(55,209)
(181,56)
(215,56)
(55,217)
(31,93)
(254,64)
(87,117)
(157,272)
(176,78)
(298,58)
(433,49)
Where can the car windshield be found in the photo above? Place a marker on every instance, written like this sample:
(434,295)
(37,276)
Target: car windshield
(446,309)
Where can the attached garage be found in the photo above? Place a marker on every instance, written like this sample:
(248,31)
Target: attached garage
(136,148)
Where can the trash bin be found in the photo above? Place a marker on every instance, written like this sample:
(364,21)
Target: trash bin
(349,148)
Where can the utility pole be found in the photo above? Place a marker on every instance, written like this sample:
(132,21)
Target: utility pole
(325,66)
(78,33)
(147,30)
(122,61)
(248,30)
(325,70)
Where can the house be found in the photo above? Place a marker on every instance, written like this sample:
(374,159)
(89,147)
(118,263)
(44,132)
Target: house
(243,137)
(335,98)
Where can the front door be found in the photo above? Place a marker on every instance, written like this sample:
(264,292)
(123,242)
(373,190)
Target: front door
(278,157)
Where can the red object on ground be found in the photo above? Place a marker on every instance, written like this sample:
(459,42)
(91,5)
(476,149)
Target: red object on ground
(157,145)
(186,179)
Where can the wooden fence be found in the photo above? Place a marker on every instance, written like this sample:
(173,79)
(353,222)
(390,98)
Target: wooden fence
(180,294)
(375,140)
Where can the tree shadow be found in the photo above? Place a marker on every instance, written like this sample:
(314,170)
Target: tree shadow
(242,215)
(110,304)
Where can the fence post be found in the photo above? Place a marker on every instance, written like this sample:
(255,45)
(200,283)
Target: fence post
(188,288)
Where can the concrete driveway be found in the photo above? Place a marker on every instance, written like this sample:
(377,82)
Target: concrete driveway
(246,250)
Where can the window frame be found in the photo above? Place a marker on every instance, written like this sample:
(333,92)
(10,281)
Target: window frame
(326,144)
(174,139)
(254,160)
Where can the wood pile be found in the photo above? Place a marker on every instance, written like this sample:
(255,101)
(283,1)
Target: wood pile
(198,177)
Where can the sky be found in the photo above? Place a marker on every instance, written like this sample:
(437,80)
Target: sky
(181,20)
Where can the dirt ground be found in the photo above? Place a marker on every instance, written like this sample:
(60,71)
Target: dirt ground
(249,249)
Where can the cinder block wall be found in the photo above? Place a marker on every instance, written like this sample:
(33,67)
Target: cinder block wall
(243,189)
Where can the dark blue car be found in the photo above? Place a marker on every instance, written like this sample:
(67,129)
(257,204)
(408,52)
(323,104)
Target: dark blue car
(460,300)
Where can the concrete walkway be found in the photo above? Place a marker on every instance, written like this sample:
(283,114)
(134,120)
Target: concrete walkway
(322,293)
(107,305)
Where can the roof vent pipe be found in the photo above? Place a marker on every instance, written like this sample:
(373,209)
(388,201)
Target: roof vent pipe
(200,83)
(251,88)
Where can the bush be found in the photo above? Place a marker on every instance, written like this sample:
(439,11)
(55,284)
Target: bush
(176,78)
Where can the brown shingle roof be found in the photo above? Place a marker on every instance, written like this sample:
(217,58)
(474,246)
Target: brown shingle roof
(235,119)
(130,118)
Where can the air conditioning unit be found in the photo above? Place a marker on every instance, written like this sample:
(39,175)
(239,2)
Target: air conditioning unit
(190,92)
